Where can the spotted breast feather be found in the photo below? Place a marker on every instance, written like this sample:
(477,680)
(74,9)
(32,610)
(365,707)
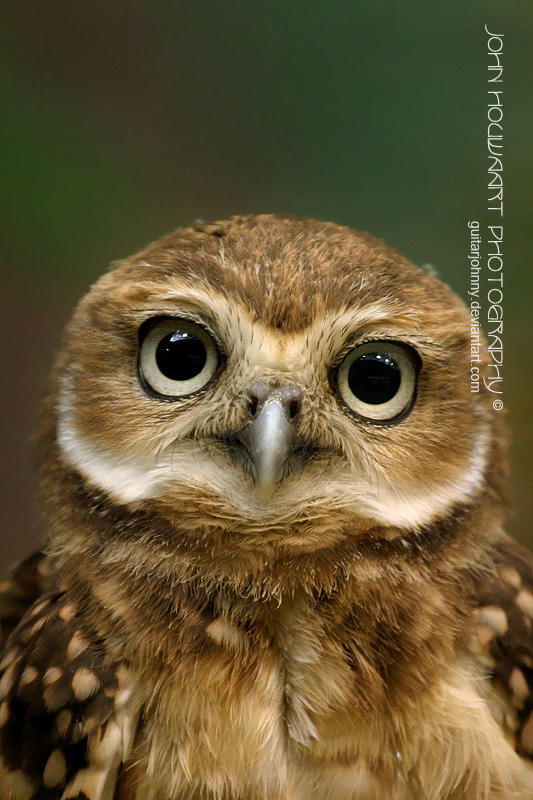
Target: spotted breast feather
(66,715)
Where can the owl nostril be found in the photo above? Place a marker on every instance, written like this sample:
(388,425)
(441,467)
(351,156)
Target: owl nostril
(257,394)
(293,408)
(291,400)
(252,405)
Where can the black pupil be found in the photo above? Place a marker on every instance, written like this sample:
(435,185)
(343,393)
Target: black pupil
(374,378)
(181,356)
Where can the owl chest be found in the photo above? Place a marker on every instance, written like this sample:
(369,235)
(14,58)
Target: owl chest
(271,722)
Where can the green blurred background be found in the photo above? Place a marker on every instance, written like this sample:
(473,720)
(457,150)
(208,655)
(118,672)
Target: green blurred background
(123,121)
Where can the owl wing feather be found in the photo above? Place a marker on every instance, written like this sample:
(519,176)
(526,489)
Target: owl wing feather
(26,582)
(503,641)
(68,713)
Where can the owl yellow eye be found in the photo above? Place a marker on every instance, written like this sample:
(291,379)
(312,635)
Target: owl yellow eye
(377,380)
(176,358)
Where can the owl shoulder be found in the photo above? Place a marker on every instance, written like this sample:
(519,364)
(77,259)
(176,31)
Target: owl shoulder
(26,582)
(503,640)
(68,714)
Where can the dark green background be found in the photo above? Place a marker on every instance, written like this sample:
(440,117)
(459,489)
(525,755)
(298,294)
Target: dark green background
(123,121)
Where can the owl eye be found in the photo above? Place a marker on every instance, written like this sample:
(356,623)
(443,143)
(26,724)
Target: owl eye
(177,357)
(377,380)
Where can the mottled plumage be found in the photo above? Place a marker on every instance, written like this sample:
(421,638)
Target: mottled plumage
(275,569)
(63,729)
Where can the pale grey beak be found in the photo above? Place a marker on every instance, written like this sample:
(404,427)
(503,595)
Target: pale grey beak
(270,435)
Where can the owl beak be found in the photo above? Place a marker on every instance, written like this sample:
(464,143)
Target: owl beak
(270,437)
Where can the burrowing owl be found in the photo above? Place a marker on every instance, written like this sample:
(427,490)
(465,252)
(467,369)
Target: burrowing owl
(275,567)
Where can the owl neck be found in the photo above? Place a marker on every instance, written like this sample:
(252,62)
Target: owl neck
(155,597)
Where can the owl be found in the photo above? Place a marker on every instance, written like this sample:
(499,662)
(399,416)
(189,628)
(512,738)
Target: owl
(275,566)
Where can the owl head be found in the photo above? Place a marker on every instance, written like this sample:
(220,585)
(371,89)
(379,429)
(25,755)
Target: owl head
(267,385)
